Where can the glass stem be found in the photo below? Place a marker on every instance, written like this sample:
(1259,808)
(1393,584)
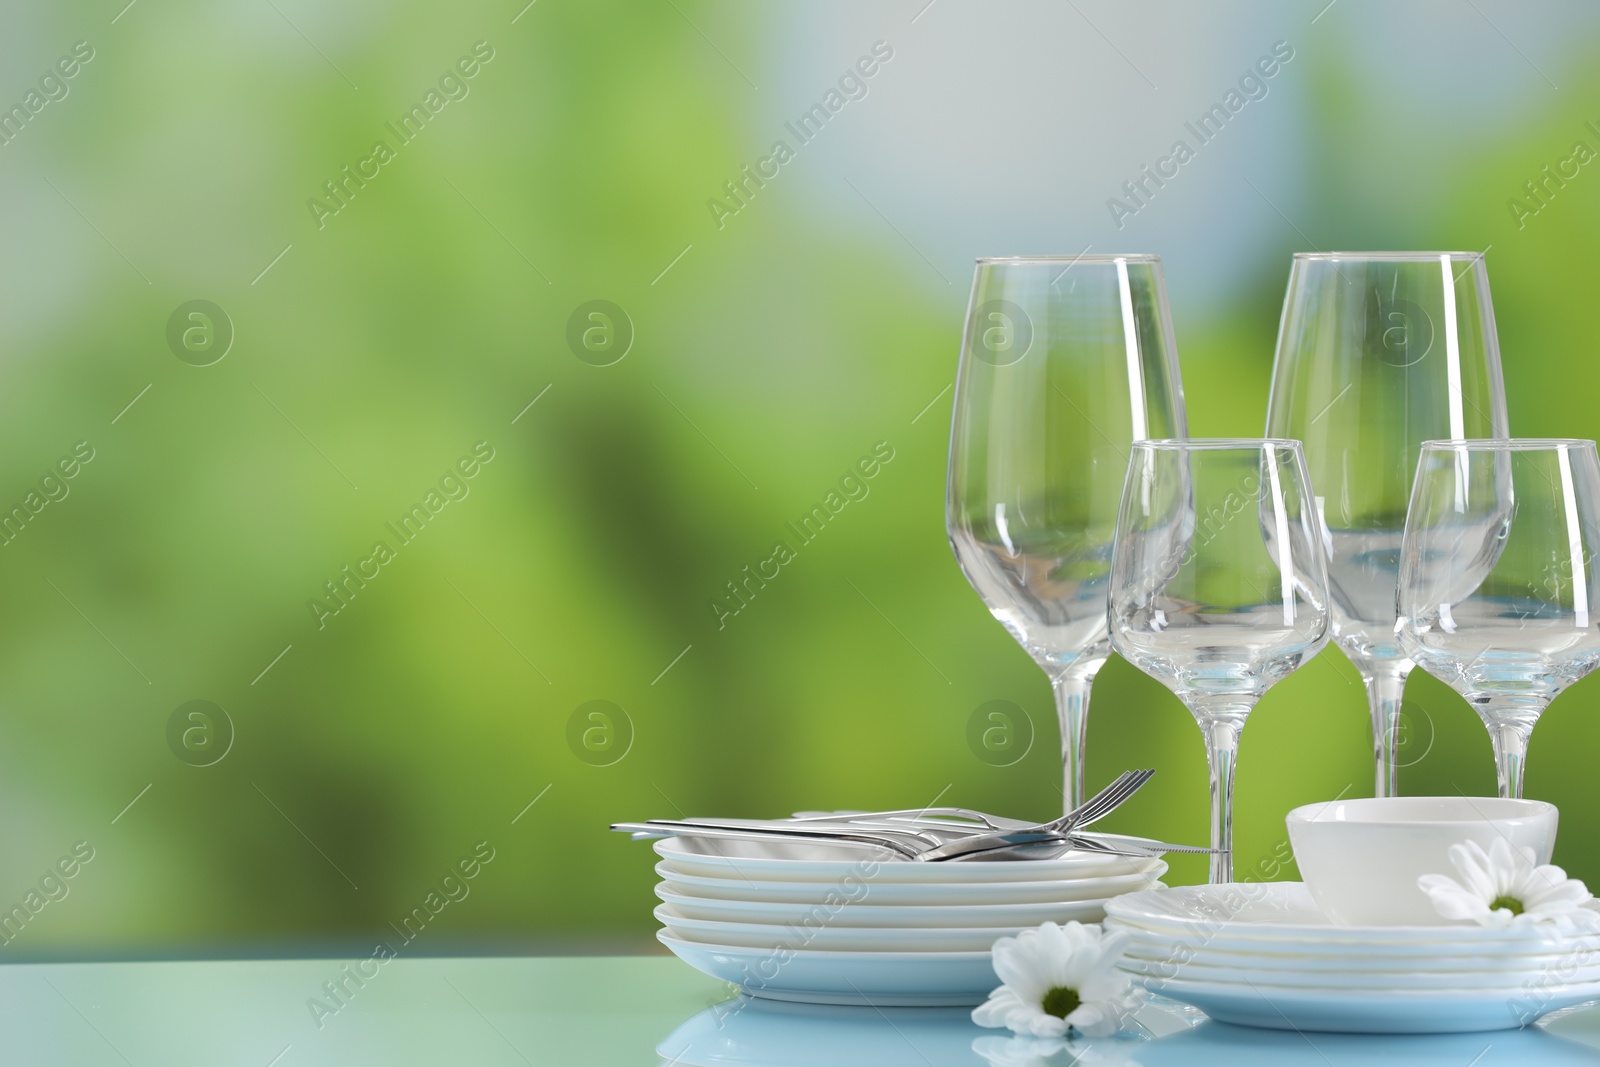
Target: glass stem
(1510,740)
(1386,687)
(1072,707)
(1222,752)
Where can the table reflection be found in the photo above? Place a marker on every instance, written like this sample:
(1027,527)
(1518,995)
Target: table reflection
(770,1033)
(751,1032)
(1239,1046)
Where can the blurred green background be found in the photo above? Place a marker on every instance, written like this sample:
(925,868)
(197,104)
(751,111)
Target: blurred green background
(764,350)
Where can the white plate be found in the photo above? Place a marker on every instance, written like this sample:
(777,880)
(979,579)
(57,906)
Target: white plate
(1271,981)
(874,892)
(1283,914)
(840,938)
(1394,1012)
(786,861)
(1255,942)
(1177,942)
(845,914)
(1152,950)
(919,979)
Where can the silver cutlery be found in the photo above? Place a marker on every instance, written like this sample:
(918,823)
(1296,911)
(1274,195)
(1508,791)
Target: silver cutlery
(969,847)
(1093,809)
(938,834)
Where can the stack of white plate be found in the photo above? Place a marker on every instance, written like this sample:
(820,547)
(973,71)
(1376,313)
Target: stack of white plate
(845,925)
(1264,955)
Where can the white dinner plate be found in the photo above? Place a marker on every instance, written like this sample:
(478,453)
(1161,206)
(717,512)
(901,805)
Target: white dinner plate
(1153,950)
(1282,913)
(804,861)
(872,891)
(1255,942)
(883,979)
(845,914)
(1271,981)
(1391,1012)
(837,938)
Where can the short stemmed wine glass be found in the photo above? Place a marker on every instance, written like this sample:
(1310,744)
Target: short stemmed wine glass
(1499,596)
(1219,587)
(1066,361)
(1377,352)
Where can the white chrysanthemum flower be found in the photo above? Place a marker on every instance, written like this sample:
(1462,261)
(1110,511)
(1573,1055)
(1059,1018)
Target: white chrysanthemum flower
(1060,979)
(1503,886)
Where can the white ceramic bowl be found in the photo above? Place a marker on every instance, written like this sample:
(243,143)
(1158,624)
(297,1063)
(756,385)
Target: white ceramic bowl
(1361,858)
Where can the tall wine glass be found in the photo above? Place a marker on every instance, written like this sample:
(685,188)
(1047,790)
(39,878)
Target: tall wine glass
(1499,596)
(1066,361)
(1377,352)
(1219,587)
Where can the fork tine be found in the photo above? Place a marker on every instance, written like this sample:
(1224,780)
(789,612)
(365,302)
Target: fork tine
(1100,798)
(1130,782)
(1138,778)
(1135,781)
(1104,803)
(1107,800)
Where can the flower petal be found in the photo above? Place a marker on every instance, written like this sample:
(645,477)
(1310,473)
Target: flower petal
(1093,1020)
(1550,886)
(1017,964)
(1474,866)
(1082,955)
(997,1009)
(1039,1024)
(1452,900)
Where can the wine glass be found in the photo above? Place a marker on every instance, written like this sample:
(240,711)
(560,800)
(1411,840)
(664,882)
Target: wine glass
(1498,594)
(1377,352)
(1066,361)
(1219,587)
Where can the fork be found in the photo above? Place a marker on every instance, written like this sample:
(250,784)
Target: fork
(916,848)
(933,839)
(1015,832)
(927,842)
(1091,810)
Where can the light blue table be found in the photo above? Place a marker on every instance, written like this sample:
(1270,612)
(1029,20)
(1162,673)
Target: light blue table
(588,1012)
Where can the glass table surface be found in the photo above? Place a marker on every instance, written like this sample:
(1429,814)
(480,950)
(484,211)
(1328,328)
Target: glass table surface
(600,1011)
